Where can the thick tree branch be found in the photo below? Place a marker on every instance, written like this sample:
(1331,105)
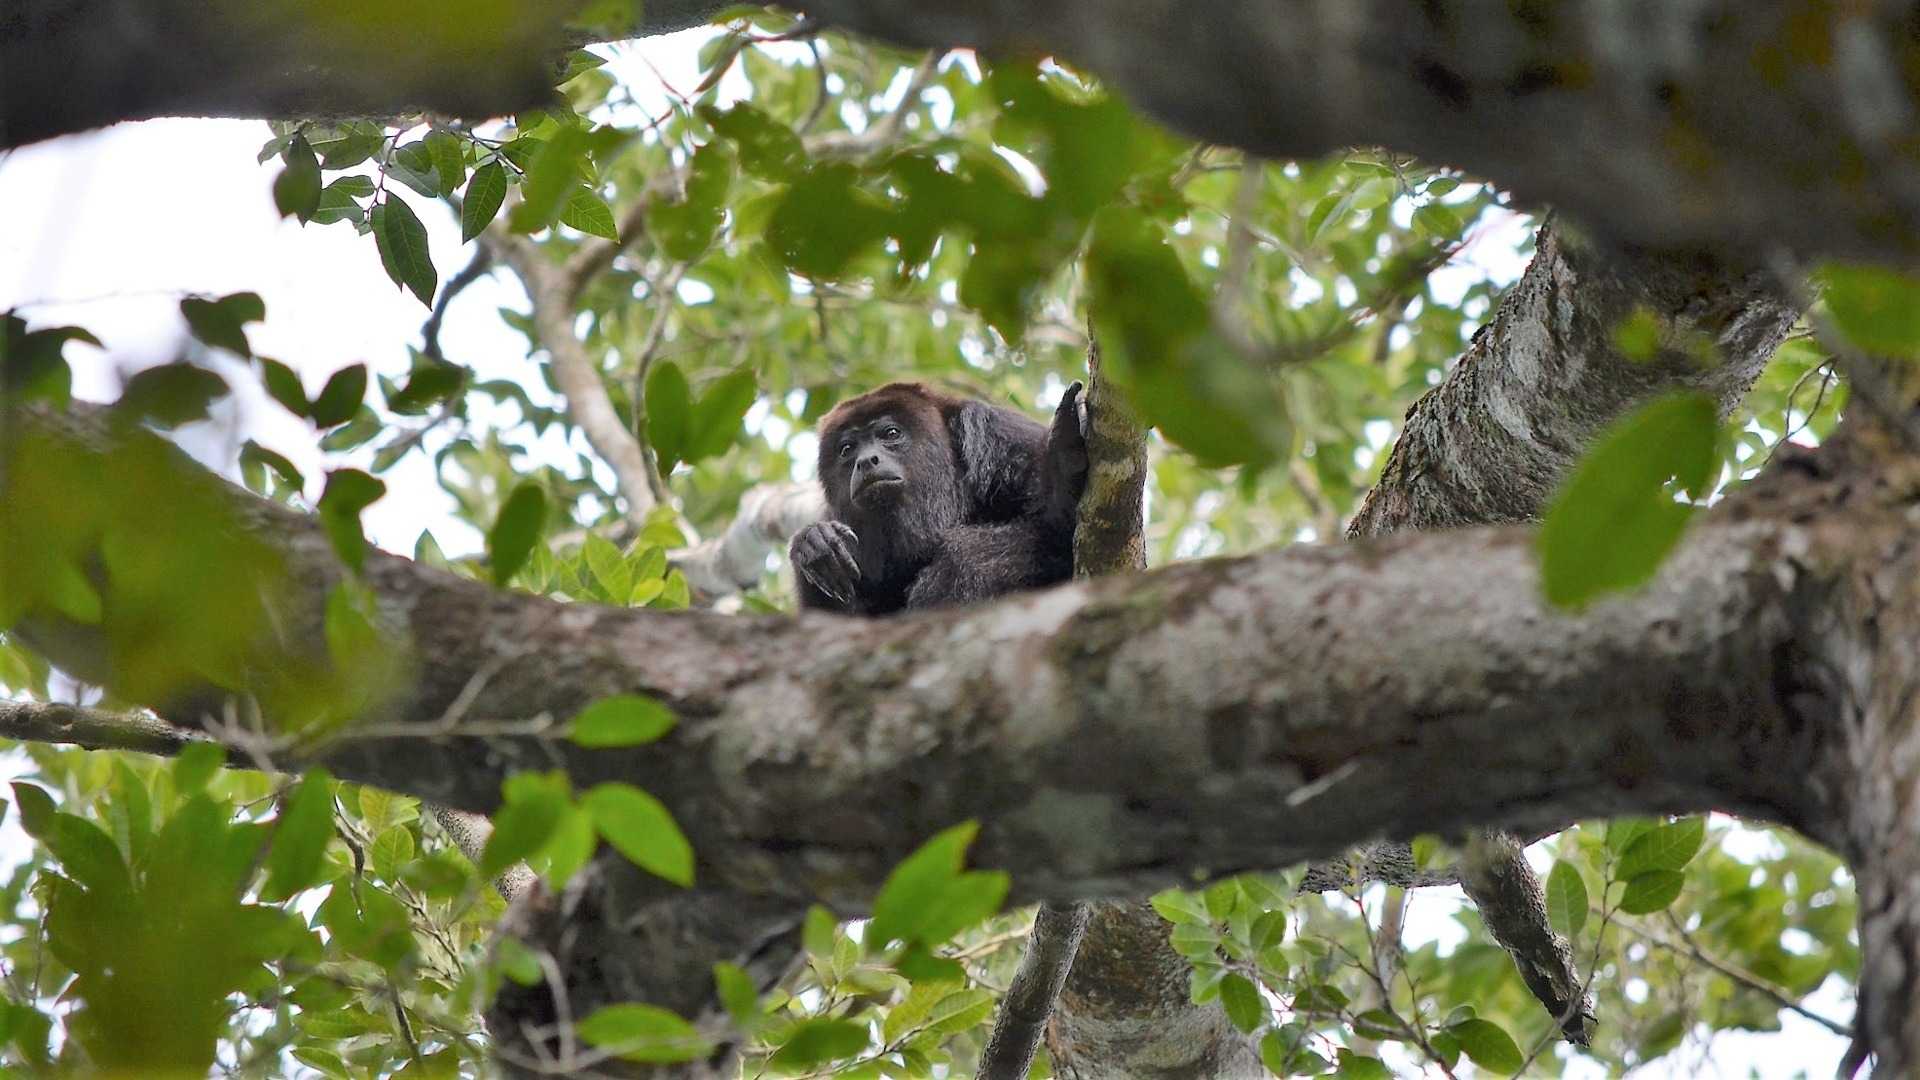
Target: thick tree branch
(1287,694)
(1708,110)
(1492,442)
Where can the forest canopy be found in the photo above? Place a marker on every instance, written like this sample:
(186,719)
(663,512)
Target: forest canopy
(585,797)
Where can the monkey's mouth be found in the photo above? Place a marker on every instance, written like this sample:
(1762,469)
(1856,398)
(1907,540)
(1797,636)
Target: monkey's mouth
(879,487)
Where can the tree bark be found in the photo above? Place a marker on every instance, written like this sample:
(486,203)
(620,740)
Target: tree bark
(1744,125)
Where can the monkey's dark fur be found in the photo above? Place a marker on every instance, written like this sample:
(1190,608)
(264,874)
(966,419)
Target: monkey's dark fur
(934,499)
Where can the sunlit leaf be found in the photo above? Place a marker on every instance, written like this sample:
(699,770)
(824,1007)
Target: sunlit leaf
(1614,521)
(642,829)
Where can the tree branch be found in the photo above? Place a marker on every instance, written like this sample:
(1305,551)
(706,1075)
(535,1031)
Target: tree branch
(768,516)
(1156,705)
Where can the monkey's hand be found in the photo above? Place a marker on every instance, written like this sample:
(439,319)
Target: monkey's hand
(1066,463)
(823,559)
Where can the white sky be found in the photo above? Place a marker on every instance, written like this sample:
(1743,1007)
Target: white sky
(118,225)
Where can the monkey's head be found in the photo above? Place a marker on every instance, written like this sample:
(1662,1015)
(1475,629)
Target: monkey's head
(887,455)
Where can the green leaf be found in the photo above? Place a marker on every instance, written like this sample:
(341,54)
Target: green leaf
(391,850)
(347,145)
(669,414)
(1667,847)
(516,530)
(192,768)
(337,201)
(170,395)
(1566,899)
(485,192)
(768,149)
(737,992)
(818,1040)
(296,191)
(825,220)
(589,213)
(1614,521)
(1876,309)
(1651,891)
(36,809)
(1352,1066)
(622,720)
(644,1033)
(569,849)
(348,492)
(718,417)
(283,385)
(341,397)
(640,828)
(32,366)
(533,807)
(1242,1001)
(402,241)
(1180,906)
(684,229)
(429,382)
(1487,1045)
(1268,930)
(300,838)
(222,323)
(449,160)
(927,899)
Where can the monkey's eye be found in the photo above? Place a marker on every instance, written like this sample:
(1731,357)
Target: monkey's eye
(890,434)
(846,450)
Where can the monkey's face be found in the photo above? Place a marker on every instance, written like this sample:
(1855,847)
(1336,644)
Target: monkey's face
(871,460)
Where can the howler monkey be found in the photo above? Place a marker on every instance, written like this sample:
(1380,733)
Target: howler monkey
(934,499)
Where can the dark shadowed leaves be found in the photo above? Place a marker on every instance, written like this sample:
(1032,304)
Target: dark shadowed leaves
(170,395)
(222,323)
(669,413)
(32,367)
(485,192)
(348,492)
(1616,519)
(516,530)
(296,191)
(1158,338)
(402,241)
(341,397)
(684,228)
(825,220)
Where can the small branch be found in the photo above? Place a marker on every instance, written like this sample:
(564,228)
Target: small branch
(1028,1003)
(551,290)
(663,302)
(475,269)
(1740,976)
(768,515)
(97,729)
